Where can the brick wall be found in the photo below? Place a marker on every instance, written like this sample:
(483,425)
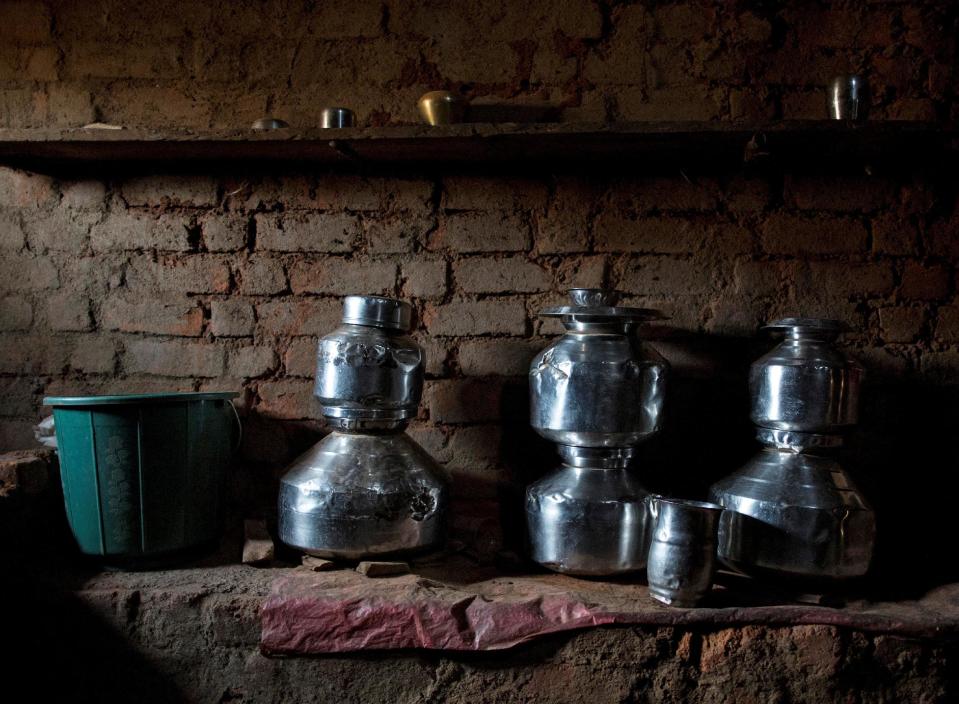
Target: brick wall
(225,281)
(223,63)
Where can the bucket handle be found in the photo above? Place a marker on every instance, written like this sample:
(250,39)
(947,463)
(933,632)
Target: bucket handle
(239,427)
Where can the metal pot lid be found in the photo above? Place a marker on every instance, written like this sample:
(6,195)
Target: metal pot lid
(595,305)
(378,312)
(825,326)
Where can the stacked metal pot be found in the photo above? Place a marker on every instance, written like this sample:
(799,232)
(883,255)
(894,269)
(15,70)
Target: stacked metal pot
(597,392)
(792,510)
(367,489)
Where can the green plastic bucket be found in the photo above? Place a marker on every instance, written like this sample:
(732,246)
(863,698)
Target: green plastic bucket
(143,475)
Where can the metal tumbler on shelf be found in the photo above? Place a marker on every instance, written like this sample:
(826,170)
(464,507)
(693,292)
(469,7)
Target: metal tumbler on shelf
(442,107)
(792,510)
(597,392)
(682,554)
(335,118)
(367,489)
(847,98)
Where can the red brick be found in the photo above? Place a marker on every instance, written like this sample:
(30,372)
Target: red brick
(497,357)
(940,366)
(947,325)
(484,193)
(692,103)
(99,59)
(426,279)
(343,277)
(761,278)
(287,399)
(845,280)
(11,232)
(743,194)
(734,315)
(661,275)
(16,313)
(918,109)
(310,316)
(894,234)
(26,273)
(196,273)
(261,276)
(20,396)
(173,358)
(565,225)
(495,275)
(436,352)
(337,19)
(21,189)
(177,316)
(398,234)
(251,361)
(128,230)
(475,447)
(224,232)
(69,311)
(17,434)
(94,355)
(231,318)
(751,105)
(504,317)
(356,193)
(31,354)
(660,193)
(184,191)
(488,232)
(83,195)
(581,272)
(837,193)
(60,229)
(942,238)
(25,22)
(901,324)
(787,234)
(925,282)
(300,357)
(41,63)
(316,232)
(68,105)
(463,400)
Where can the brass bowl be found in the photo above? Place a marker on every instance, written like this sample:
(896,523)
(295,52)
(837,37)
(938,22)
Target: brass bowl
(441,107)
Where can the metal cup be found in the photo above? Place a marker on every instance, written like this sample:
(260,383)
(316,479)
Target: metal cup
(336,118)
(682,555)
(848,98)
(441,107)
(269,123)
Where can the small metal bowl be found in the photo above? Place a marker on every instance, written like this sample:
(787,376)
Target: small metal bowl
(441,107)
(269,123)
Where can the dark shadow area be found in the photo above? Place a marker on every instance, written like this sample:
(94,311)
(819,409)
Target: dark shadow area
(57,648)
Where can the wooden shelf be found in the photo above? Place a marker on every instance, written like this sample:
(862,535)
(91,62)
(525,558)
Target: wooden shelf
(622,146)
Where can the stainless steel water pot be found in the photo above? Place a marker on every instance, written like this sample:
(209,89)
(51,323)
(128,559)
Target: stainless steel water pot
(597,392)
(805,384)
(355,495)
(597,385)
(794,514)
(367,489)
(369,369)
(589,521)
(792,511)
